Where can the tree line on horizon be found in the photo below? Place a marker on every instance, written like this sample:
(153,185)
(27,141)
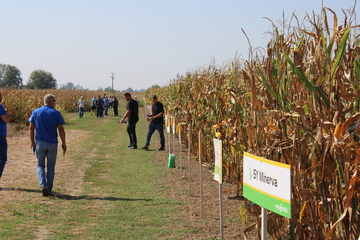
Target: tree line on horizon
(10,77)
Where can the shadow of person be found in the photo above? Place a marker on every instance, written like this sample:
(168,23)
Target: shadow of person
(70,197)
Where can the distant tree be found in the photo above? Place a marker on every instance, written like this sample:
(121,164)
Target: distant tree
(40,79)
(128,90)
(100,89)
(68,85)
(155,86)
(108,89)
(142,90)
(10,76)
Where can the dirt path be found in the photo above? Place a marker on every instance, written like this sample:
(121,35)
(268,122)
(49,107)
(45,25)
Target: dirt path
(19,177)
(190,211)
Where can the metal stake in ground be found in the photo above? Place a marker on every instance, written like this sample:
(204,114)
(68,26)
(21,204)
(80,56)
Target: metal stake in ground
(189,157)
(201,178)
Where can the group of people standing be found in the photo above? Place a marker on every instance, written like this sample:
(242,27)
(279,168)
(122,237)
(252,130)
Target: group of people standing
(100,105)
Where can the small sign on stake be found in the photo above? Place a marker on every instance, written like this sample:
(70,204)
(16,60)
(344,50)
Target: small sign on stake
(218,177)
(218,160)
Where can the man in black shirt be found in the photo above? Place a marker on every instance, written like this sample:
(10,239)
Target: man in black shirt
(99,103)
(132,115)
(115,105)
(156,123)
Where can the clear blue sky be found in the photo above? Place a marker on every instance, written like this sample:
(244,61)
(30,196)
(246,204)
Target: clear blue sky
(144,42)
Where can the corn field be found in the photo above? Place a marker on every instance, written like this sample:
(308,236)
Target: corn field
(299,105)
(20,103)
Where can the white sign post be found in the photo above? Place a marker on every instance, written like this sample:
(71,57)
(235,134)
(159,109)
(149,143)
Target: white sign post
(168,132)
(268,184)
(218,177)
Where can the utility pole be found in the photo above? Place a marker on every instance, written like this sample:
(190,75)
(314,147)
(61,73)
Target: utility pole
(112,81)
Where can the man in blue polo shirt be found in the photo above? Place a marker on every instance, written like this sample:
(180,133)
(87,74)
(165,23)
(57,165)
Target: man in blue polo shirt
(46,120)
(4,118)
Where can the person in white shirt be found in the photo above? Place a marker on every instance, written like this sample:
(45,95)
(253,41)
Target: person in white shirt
(81,104)
(111,100)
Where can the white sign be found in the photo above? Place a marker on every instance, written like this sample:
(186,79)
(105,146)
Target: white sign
(218,160)
(268,184)
(168,125)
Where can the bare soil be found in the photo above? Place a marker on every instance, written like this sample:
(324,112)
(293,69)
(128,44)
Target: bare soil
(19,181)
(206,223)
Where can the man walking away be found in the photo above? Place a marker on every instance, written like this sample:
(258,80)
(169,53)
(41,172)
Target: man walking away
(156,123)
(46,120)
(4,119)
(132,115)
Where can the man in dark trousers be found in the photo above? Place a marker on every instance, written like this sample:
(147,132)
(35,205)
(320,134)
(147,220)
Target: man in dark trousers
(156,123)
(99,103)
(115,105)
(46,121)
(132,115)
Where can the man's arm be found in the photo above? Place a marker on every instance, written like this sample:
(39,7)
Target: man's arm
(5,118)
(62,137)
(156,116)
(128,112)
(32,135)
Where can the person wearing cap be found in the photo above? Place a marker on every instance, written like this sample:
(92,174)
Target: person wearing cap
(81,104)
(156,119)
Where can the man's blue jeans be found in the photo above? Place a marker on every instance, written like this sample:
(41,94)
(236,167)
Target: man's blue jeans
(81,112)
(43,150)
(152,128)
(3,153)
(99,112)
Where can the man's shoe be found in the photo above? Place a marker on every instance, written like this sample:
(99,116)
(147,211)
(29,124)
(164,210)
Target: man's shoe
(130,146)
(145,148)
(133,147)
(161,149)
(45,192)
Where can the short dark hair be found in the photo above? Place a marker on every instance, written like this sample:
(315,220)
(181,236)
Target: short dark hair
(154,97)
(127,95)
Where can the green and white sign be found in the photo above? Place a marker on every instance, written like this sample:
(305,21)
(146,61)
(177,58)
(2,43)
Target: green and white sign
(268,184)
(218,160)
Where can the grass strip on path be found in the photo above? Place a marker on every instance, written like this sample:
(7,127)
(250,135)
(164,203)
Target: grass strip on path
(119,196)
